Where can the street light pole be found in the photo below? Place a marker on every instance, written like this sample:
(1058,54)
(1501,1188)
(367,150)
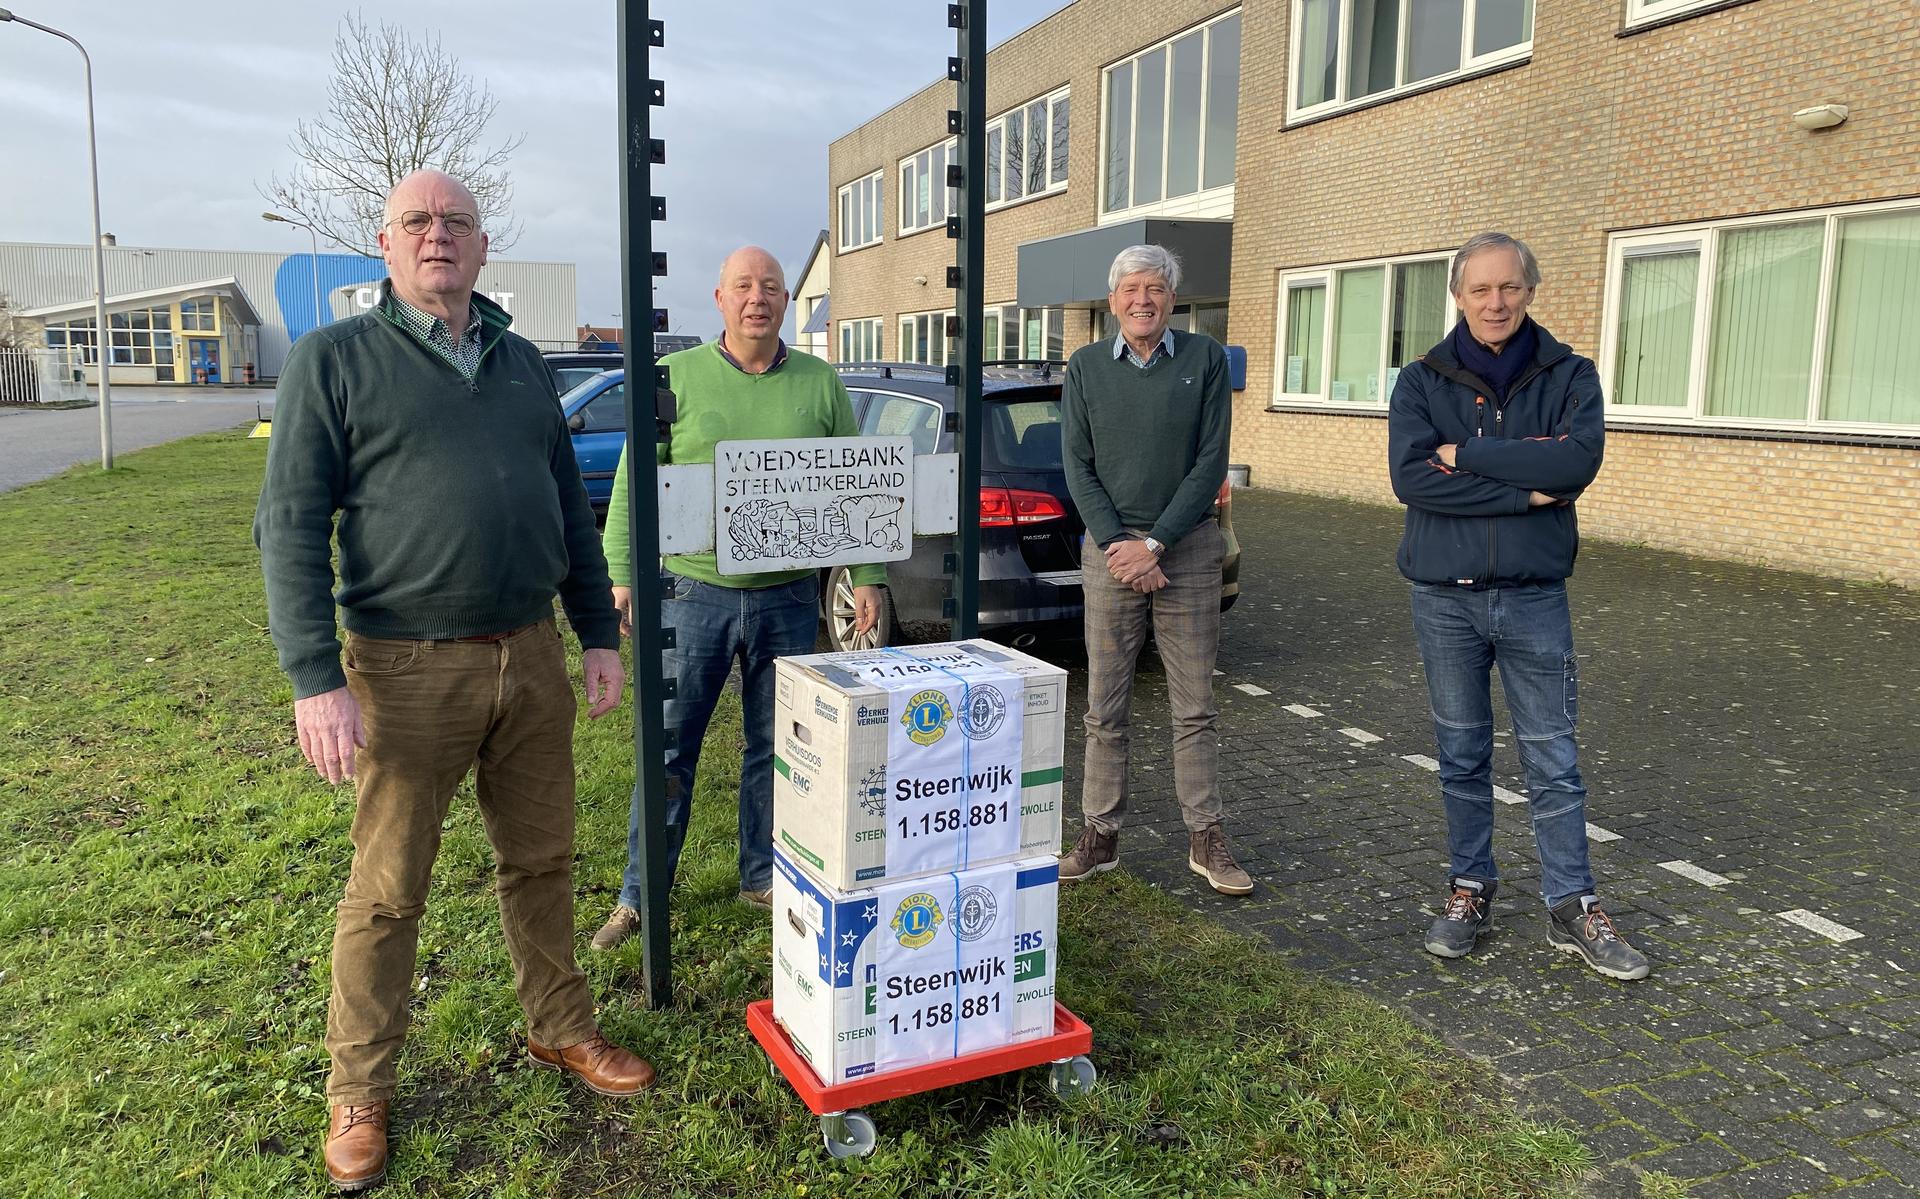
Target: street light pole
(102,336)
(320,315)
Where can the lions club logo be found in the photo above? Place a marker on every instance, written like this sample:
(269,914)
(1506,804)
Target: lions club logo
(985,711)
(926,717)
(974,913)
(917,920)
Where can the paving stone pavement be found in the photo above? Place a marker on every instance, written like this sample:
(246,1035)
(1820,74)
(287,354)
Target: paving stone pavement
(1757,725)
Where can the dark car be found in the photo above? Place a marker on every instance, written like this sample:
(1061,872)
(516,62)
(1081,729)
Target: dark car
(1030,529)
(570,368)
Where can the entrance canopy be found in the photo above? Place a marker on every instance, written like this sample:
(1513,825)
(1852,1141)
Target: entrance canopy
(228,289)
(1072,268)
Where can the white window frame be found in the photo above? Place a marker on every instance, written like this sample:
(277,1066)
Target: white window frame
(867,189)
(1705,235)
(850,336)
(1207,202)
(937,339)
(908,171)
(1328,277)
(997,170)
(1645,12)
(1469,63)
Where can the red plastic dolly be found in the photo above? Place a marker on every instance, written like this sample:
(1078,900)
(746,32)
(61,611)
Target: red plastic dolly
(849,1132)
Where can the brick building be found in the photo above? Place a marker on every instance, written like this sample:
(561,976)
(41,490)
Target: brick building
(1750,286)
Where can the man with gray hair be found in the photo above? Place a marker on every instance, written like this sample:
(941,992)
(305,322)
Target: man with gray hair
(1145,420)
(433,433)
(1492,436)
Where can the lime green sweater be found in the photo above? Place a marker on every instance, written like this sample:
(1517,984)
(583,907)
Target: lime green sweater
(802,397)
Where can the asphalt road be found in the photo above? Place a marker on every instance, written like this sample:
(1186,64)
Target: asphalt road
(38,445)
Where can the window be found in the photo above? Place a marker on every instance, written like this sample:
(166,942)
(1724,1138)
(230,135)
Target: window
(1345,331)
(860,340)
(1346,52)
(1013,334)
(1170,115)
(1027,151)
(1641,12)
(923,338)
(196,316)
(860,213)
(607,412)
(139,338)
(1808,320)
(925,198)
(890,415)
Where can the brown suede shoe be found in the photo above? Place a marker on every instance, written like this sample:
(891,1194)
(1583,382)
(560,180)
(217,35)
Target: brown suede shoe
(1093,852)
(623,923)
(1210,856)
(603,1066)
(356,1146)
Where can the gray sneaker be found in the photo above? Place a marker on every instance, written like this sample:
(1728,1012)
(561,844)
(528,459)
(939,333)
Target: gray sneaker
(1466,917)
(1093,852)
(1209,857)
(623,923)
(762,898)
(1579,926)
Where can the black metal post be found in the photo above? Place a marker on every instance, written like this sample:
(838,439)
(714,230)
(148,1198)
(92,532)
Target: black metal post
(639,208)
(968,69)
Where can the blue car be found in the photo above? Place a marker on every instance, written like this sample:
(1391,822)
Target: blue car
(596,411)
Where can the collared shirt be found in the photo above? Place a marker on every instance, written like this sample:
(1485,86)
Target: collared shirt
(436,335)
(1123,350)
(779,356)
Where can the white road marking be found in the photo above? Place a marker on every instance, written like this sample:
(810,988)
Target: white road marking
(1300,710)
(1250,689)
(1505,796)
(1596,833)
(1421,760)
(1838,933)
(1361,736)
(1686,869)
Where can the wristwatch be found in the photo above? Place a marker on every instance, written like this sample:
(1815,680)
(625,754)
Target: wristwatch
(1154,547)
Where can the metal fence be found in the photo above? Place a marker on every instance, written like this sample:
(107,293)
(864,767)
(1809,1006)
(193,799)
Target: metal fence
(41,376)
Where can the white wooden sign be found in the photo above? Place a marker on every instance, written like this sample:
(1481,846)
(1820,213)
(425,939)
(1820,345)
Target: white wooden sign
(812,502)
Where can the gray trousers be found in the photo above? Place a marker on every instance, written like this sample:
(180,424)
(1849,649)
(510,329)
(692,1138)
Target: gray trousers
(1185,619)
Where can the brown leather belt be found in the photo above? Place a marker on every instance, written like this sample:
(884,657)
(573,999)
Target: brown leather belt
(492,637)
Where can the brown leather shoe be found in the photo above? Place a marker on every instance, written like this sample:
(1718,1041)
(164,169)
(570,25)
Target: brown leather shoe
(356,1148)
(1093,852)
(1209,856)
(598,1062)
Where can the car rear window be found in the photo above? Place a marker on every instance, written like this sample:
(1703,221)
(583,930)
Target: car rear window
(1022,430)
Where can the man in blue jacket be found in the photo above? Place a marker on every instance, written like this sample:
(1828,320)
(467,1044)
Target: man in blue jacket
(1492,437)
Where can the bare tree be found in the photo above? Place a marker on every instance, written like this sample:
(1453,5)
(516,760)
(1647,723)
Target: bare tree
(14,331)
(394,105)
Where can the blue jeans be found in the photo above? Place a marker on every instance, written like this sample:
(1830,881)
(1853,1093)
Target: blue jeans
(1526,630)
(711,627)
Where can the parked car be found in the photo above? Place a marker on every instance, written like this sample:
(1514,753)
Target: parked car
(571,368)
(596,411)
(1030,529)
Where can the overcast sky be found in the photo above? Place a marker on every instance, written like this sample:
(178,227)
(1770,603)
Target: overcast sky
(195,103)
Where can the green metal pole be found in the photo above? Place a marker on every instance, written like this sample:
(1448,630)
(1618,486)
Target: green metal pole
(639,208)
(968,69)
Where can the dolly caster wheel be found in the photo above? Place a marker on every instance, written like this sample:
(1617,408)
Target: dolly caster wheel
(847,1134)
(1072,1076)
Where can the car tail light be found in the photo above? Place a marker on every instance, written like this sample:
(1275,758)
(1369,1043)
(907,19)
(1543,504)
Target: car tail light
(1004,507)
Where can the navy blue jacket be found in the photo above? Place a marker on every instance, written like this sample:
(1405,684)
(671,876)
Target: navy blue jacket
(1470,524)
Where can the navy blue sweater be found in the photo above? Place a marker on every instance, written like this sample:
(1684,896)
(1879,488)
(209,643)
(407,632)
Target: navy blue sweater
(1470,524)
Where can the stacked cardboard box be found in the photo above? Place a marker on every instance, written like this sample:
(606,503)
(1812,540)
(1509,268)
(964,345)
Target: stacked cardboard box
(882,958)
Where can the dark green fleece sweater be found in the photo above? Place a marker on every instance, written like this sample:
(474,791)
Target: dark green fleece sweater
(460,506)
(1146,448)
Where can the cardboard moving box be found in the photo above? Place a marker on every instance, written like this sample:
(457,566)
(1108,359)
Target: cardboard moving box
(834,781)
(916,970)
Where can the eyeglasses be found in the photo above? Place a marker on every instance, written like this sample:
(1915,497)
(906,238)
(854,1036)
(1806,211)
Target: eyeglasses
(460,224)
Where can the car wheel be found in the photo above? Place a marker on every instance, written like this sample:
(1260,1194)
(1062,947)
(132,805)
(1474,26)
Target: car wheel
(838,606)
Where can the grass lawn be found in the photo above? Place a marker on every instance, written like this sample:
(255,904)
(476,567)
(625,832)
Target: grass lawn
(167,885)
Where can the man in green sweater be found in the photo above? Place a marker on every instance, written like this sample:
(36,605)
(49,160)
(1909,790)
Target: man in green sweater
(1145,420)
(746,386)
(434,436)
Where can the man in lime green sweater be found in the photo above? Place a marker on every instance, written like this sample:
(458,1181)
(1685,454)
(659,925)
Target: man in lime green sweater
(746,386)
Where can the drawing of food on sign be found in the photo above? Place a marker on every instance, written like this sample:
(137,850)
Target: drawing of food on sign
(821,502)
